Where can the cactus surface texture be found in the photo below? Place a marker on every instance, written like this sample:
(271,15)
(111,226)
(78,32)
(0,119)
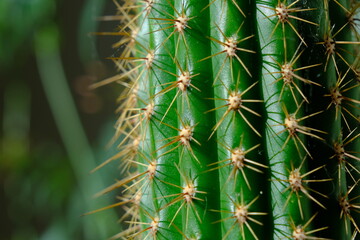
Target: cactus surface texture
(239,119)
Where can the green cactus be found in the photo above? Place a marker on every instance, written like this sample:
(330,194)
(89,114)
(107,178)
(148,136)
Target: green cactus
(240,119)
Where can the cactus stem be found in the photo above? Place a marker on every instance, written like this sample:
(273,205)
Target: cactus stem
(338,100)
(283,13)
(184,79)
(152,229)
(235,104)
(238,161)
(331,49)
(230,47)
(291,124)
(183,139)
(341,156)
(180,23)
(296,183)
(188,196)
(300,233)
(351,19)
(184,58)
(347,207)
(183,83)
(288,74)
(242,216)
(233,2)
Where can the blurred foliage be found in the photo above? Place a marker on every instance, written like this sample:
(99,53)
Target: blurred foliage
(37,198)
(45,185)
(19,20)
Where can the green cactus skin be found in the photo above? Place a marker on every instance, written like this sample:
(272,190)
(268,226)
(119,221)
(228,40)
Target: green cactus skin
(338,166)
(328,79)
(354,146)
(239,153)
(193,47)
(151,82)
(284,98)
(232,127)
(284,149)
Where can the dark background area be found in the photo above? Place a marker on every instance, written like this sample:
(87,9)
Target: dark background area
(53,128)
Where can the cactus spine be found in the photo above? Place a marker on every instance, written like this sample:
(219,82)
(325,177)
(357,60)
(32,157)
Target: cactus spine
(240,119)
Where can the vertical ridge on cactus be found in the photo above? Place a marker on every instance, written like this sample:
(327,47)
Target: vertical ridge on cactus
(240,119)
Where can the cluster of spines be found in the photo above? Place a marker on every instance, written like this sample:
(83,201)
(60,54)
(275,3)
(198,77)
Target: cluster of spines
(339,43)
(285,131)
(168,107)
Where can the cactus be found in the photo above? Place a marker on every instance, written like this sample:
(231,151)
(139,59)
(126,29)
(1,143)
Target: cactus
(239,119)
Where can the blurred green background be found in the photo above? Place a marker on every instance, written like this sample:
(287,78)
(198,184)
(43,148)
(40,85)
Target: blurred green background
(53,129)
